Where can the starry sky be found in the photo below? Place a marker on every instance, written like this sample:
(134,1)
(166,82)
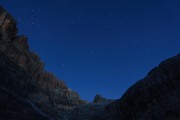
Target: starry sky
(99,46)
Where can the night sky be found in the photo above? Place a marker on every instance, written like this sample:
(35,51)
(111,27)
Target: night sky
(99,46)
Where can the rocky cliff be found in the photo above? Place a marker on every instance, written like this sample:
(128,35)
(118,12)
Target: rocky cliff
(51,94)
(15,86)
(156,97)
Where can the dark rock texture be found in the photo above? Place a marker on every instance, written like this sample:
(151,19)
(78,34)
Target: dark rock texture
(22,73)
(156,97)
(15,87)
(99,99)
(91,111)
(13,107)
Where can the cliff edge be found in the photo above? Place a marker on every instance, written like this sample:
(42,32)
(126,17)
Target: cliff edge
(23,72)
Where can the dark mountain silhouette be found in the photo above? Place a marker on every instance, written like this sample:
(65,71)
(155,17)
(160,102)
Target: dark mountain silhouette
(22,74)
(156,97)
(28,92)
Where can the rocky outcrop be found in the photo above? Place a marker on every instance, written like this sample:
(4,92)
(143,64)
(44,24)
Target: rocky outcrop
(34,83)
(7,24)
(91,111)
(16,85)
(99,99)
(156,97)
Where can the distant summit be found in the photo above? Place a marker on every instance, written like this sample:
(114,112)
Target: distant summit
(98,99)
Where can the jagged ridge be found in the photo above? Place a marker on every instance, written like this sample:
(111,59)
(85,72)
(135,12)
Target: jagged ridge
(53,95)
(156,97)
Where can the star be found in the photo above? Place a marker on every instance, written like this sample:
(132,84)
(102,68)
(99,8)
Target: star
(136,40)
(110,26)
(92,52)
(177,19)
(110,14)
(63,65)
(19,19)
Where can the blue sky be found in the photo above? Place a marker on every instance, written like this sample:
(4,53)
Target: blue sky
(99,46)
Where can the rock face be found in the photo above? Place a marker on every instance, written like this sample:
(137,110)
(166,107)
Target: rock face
(17,109)
(15,86)
(99,99)
(50,94)
(156,97)
(91,111)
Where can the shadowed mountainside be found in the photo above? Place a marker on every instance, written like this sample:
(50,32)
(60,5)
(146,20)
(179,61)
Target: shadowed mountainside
(14,88)
(156,97)
(23,72)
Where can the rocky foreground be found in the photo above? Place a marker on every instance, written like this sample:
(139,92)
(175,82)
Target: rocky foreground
(28,92)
